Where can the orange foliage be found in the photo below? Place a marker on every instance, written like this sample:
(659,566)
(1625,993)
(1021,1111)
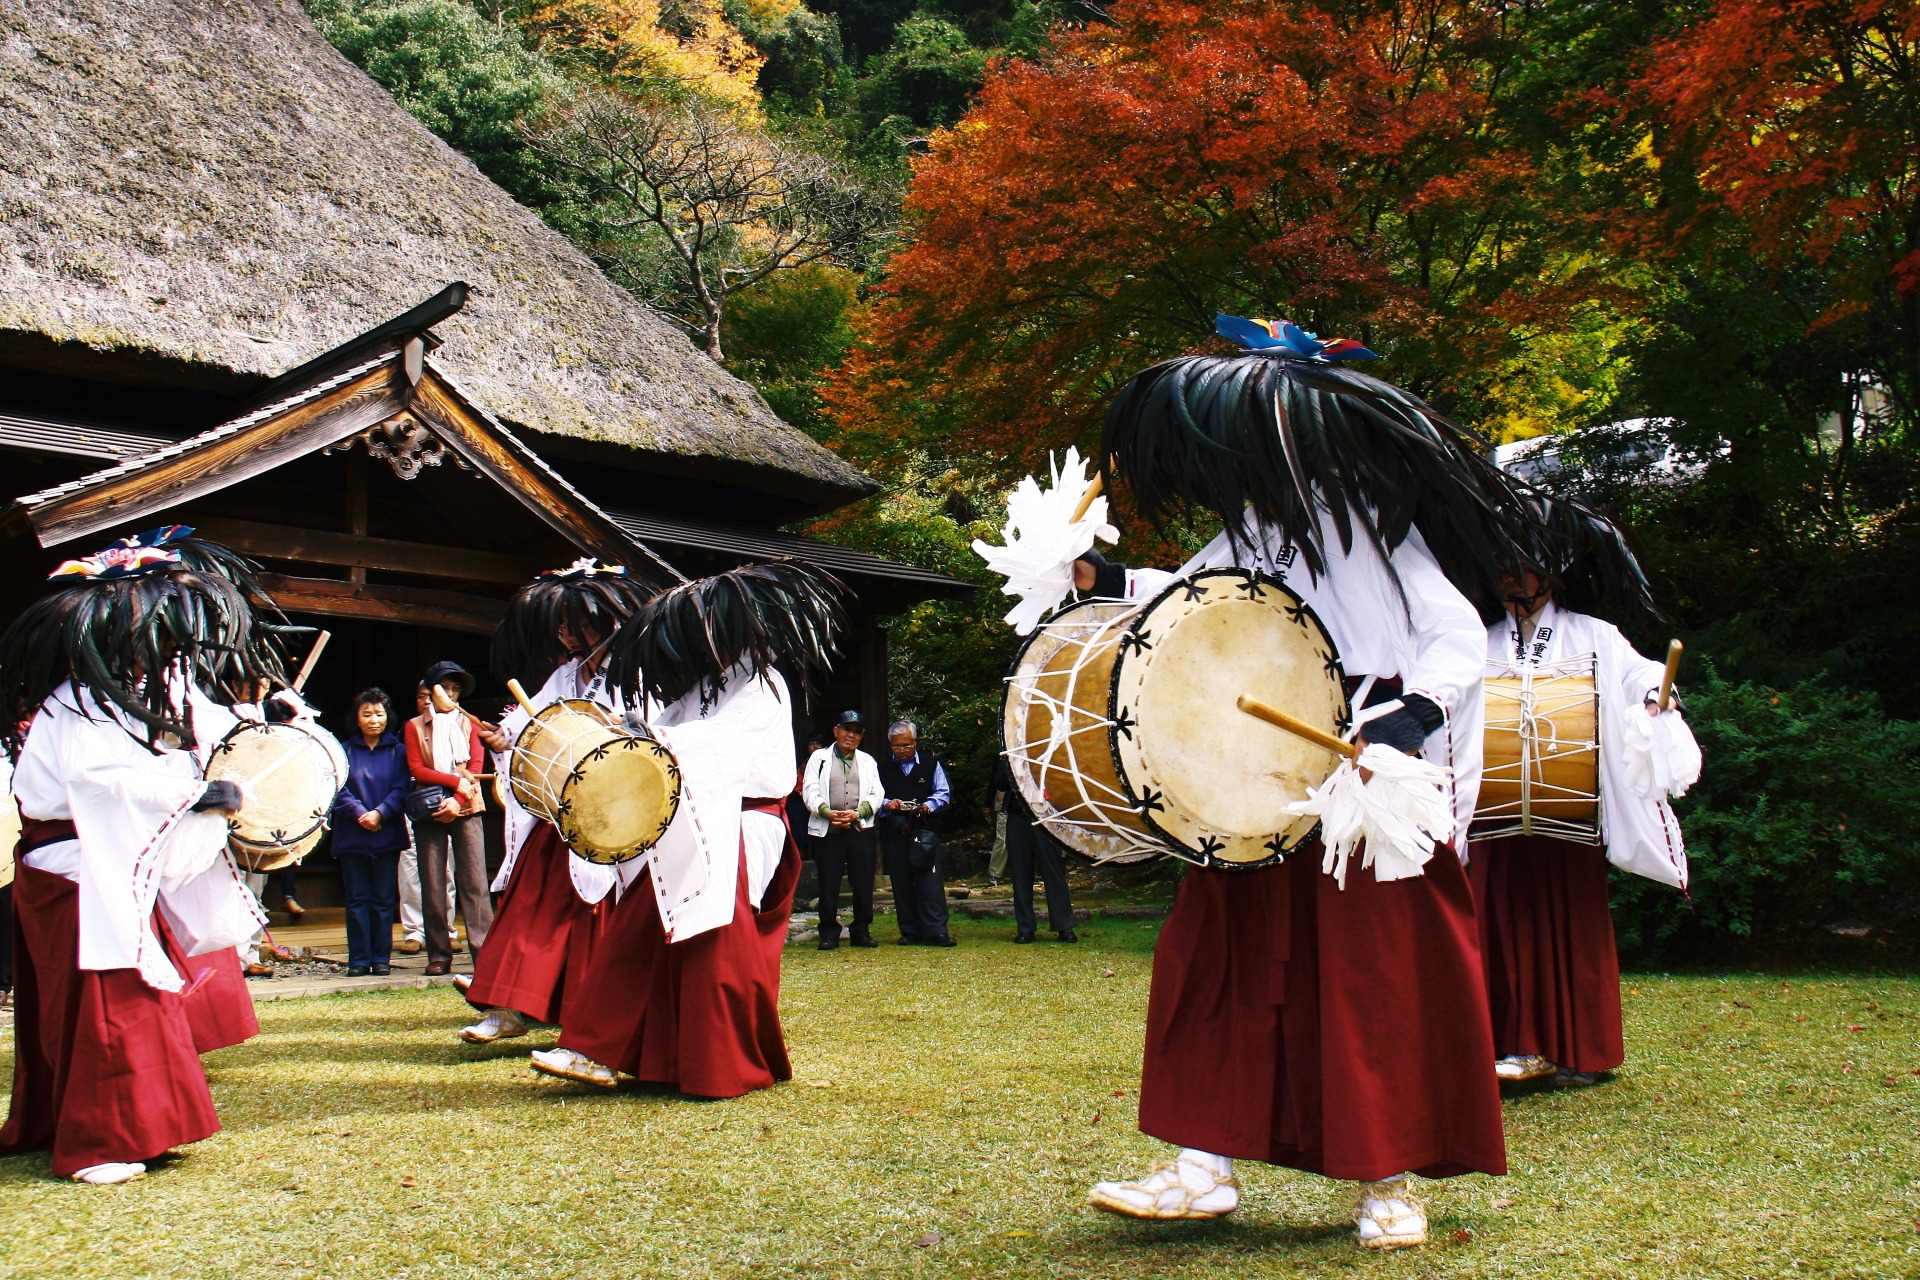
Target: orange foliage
(1342,166)
(679,49)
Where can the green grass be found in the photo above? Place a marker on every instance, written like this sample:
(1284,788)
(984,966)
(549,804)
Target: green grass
(1765,1125)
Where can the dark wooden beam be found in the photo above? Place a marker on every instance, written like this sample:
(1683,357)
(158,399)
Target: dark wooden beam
(357,499)
(123,500)
(519,471)
(409,606)
(283,542)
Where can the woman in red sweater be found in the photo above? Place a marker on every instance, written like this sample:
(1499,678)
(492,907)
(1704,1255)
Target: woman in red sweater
(444,749)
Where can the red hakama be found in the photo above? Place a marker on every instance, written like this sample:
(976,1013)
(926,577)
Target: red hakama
(219,1006)
(1553,973)
(104,1068)
(541,930)
(1343,1032)
(702,1015)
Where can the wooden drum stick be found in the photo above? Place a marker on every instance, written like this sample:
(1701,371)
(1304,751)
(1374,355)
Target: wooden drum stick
(313,656)
(1086,499)
(1674,650)
(520,696)
(1299,728)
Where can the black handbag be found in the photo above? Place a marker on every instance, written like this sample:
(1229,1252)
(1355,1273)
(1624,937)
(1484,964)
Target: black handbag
(923,848)
(422,801)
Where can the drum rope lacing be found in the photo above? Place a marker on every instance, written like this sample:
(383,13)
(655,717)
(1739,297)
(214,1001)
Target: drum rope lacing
(1540,744)
(1064,713)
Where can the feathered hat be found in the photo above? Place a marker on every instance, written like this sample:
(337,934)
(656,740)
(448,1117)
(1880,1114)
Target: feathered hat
(155,602)
(783,614)
(1590,561)
(588,598)
(1282,433)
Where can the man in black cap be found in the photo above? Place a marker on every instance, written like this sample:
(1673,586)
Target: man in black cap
(842,791)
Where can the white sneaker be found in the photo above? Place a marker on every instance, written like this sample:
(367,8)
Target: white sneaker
(1388,1217)
(1516,1067)
(569,1065)
(105,1175)
(499,1024)
(1180,1188)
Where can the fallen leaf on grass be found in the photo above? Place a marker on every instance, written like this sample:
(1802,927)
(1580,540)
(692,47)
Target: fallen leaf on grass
(1106,973)
(1799,1017)
(1463,1236)
(1855,1027)
(1097,1114)
(409,1181)
(1014,1235)
(1503,1204)
(928,1240)
(819,1084)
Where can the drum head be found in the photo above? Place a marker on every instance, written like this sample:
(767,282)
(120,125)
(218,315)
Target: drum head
(1211,780)
(292,780)
(619,799)
(531,764)
(1046,727)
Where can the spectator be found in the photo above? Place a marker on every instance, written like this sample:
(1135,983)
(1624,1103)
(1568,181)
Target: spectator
(797,814)
(916,788)
(444,752)
(842,792)
(996,812)
(369,831)
(1031,847)
(413,924)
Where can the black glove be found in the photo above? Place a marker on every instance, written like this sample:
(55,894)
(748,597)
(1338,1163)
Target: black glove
(275,710)
(1109,580)
(1405,730)
(219,795)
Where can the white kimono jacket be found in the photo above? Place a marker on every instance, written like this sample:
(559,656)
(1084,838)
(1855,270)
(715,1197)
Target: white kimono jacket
(591,880)
(1643,759)
(739,748)
(139,843)
(1433,641)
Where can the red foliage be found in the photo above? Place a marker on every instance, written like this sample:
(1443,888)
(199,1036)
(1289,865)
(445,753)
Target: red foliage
(1338,165)
(1800,122)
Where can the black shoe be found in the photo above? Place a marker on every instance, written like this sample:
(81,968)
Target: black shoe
(904,941)
(829,944)
(944,940)
(865,942)
(1023,936)
(356,971)
(1068,935)
(381,970)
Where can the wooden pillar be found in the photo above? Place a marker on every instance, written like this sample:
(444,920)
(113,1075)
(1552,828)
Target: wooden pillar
(874,701)
(357,505)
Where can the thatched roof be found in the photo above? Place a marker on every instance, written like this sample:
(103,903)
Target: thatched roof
(208,190)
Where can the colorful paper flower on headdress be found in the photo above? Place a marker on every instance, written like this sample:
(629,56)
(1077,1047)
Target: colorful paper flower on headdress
(587,567)
(127,558)
(1283,335)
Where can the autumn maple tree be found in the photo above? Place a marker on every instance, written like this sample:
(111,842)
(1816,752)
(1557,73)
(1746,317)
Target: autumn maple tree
(1346,166)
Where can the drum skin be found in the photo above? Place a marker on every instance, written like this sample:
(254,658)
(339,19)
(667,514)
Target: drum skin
(611,792)
(1211,780)
(1559,786)
(292,773)
(1156,758)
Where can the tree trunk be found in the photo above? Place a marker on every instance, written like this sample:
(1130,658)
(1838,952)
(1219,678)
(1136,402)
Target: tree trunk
(713,331)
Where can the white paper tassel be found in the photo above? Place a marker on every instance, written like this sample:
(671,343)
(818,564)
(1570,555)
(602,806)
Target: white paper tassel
(1659,753)
(1043,540)
(1396,817)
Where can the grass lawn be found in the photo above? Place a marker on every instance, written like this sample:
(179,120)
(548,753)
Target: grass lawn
(948,1112)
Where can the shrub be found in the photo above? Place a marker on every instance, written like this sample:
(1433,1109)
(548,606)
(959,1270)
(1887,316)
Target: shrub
(1806,814)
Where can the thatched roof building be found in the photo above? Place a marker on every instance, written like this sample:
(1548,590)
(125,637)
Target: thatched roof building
(197,196)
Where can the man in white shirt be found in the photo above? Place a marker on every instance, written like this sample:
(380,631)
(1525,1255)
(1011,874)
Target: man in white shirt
(842,791)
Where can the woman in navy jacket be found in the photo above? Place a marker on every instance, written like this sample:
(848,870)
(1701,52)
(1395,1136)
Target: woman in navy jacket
(369,832)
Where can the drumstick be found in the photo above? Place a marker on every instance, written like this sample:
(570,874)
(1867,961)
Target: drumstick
(1674,650)
(1299,728)
(520,696)
(1086,499)
(313,656)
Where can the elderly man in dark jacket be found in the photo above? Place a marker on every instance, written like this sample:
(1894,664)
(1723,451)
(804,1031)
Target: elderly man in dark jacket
(916,787)
(369,832)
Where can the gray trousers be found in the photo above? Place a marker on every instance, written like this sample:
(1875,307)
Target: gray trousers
(461,842)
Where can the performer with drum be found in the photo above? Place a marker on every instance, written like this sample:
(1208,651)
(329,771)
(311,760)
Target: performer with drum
(128,660)
(682,983)
(1316,1003)
(1539,859)
(556,633)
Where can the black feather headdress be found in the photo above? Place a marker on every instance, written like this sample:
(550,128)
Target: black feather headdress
(783,614)
(1284,438)
(590,600)
(124,616)
(1590,562)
